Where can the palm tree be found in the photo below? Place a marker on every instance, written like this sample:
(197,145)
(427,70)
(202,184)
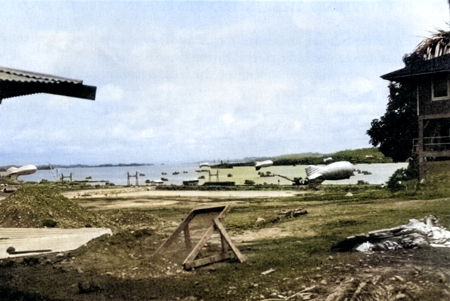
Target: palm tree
(436,45)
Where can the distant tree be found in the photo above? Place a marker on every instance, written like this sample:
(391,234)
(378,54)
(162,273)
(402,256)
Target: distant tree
(394,132)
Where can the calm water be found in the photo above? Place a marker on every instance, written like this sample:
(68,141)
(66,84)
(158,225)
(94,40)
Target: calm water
(118,175)
(380,173)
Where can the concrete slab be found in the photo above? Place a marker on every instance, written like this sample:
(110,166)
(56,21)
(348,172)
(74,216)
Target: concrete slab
(48,239)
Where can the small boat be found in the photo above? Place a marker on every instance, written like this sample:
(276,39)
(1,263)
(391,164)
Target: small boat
(154,182)
(190,182)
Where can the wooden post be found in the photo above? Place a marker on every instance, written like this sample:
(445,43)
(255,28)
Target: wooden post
(420,153)
(187,237)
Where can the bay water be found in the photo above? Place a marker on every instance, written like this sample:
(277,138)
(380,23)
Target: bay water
(177,173)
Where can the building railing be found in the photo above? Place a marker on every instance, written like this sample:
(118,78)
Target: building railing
(433,144)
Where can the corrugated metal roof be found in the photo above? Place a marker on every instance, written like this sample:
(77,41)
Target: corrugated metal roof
(15,75)
(14,82)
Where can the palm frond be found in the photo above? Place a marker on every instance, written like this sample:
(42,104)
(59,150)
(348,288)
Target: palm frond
(436,45)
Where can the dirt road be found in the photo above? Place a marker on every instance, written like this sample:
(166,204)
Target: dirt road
(149,192)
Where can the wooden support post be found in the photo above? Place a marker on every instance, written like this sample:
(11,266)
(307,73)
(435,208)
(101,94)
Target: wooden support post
(223,243)
(420,153)
(187,237)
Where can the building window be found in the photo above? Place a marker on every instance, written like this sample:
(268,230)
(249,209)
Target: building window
(440,87)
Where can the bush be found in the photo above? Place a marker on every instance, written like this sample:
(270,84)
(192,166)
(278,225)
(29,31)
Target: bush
(49,223)
(249,182)
(400,177)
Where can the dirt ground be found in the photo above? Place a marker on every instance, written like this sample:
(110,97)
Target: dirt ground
(133,192)
(121,267)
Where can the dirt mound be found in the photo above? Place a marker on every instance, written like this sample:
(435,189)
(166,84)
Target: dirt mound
(33,206)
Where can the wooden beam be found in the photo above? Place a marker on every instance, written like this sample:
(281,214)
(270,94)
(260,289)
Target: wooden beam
(187,237)
(223,232)
(208,260)
(436,153)
(434,116)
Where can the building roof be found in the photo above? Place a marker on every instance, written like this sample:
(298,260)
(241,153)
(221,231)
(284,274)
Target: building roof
(15,83)
(420,67)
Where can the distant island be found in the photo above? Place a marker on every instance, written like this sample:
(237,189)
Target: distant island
(356,156)
(50,166)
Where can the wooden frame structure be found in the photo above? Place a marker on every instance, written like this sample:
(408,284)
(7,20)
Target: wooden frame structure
(129,176)
(66,177)
(228,249)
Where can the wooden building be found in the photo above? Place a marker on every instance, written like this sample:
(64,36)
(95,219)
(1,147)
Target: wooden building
(428,70)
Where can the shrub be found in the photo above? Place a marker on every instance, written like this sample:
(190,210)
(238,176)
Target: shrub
(399,178)
(49,223)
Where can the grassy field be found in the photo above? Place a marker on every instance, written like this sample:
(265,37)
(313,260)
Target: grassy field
(239,174)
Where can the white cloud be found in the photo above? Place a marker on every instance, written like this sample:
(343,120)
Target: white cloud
(228,119)
(260,78)
(318,20)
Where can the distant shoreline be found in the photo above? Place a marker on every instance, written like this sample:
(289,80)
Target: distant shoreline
(49,166)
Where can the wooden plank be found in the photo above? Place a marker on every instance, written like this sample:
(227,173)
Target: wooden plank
(187,238)
(217,209)
(207,260)
(434,116)
(223,232)
(223,244)
(224,212)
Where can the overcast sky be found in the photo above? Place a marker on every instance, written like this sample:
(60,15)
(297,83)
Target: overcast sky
(186,81)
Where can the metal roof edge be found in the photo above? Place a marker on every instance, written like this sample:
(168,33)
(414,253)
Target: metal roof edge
(36,75)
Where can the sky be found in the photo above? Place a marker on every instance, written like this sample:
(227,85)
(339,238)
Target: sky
(191,81)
